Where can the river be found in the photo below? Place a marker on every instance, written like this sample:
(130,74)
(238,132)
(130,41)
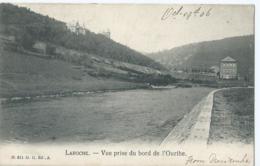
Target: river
(132,115)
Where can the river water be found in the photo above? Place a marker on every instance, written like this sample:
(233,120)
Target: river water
(133,115)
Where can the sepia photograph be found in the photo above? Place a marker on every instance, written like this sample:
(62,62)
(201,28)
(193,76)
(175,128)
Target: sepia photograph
(124,84)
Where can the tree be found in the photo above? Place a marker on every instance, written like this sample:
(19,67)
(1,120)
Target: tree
(25,39)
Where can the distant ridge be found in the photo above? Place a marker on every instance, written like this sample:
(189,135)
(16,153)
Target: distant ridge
(209,53)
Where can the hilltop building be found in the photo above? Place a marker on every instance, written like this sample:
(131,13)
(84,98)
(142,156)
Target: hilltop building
(77,28)
(228,68)
(106,33)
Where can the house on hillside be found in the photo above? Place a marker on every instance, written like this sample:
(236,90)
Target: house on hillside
(8,42)
(40,47)
(228,68)
(7,39)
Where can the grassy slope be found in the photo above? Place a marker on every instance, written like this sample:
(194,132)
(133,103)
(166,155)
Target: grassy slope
(233,116)
(24,75)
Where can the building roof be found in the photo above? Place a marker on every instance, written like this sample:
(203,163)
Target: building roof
(228,59)
(214,67)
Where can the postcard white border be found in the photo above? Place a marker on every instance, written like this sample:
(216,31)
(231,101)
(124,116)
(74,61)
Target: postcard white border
(257,26)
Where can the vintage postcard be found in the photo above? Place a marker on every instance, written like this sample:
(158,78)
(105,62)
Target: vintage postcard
(126,84)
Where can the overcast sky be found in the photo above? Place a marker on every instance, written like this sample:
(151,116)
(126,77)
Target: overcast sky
(148,28)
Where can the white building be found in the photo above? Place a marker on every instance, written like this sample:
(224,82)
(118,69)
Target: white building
(77,28)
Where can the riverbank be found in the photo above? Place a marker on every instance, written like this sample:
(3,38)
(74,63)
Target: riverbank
(194,126)
(233,116)
(53,94)
(63,90)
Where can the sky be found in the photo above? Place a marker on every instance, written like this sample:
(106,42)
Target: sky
(152,28)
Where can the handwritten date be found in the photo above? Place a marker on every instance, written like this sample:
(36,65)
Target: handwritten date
(173,13)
